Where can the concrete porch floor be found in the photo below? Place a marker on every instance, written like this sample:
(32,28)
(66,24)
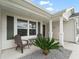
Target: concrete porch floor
(13,54)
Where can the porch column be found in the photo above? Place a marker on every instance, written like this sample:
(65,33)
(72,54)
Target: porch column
(28,29)
(76,28)
(41,27)
(15,25)
(61,33)
(50,29)
(37,28)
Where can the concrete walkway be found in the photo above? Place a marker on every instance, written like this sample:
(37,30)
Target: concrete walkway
(54,54)
(13,54)
(74,48)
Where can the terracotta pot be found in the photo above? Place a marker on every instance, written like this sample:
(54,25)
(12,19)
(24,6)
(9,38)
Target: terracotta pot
(45,52)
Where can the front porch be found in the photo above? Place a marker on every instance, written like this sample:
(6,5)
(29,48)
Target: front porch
(13,54)
(18,18)
(34,20)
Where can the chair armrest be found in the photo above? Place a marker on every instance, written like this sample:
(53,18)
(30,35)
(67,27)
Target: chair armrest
(27,41)
(24,40)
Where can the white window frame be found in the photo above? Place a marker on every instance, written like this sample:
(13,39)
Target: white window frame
(33,28)
(23,20)
(29,36)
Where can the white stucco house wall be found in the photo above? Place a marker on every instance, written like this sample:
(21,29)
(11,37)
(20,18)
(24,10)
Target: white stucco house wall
(27,19)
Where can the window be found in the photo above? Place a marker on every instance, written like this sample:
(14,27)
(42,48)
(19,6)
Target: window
(32,28)
(22,26)
(10,27)
(38,27)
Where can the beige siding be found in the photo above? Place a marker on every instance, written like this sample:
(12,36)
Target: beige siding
(47,30)
(55,27)
(69,31)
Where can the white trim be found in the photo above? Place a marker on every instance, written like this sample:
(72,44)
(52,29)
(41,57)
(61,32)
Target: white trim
(50,29)
(37,28)
(39,7)
(76,28)
(21,7)
(15,25)
(4,30)
(41,27)
(61,34)
(28,36)
(28,29)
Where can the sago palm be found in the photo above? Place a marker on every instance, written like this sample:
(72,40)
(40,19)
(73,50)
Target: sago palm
(46,44)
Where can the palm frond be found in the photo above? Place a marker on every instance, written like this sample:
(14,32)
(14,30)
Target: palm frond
(46,43)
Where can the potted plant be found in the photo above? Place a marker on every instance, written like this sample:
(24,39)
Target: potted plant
(46,44)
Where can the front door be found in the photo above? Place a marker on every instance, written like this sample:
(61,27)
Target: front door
(43,30)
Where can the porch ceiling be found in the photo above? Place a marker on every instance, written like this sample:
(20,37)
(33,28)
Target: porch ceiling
(33,12)
(11,7)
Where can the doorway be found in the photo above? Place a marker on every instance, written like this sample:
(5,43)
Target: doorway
(43,30)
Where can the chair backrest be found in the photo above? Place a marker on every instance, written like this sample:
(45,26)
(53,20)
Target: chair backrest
(18,40)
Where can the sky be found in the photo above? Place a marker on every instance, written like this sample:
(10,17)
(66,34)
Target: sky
(57,5)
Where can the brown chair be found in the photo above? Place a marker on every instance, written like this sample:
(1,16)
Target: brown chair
(19,43)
